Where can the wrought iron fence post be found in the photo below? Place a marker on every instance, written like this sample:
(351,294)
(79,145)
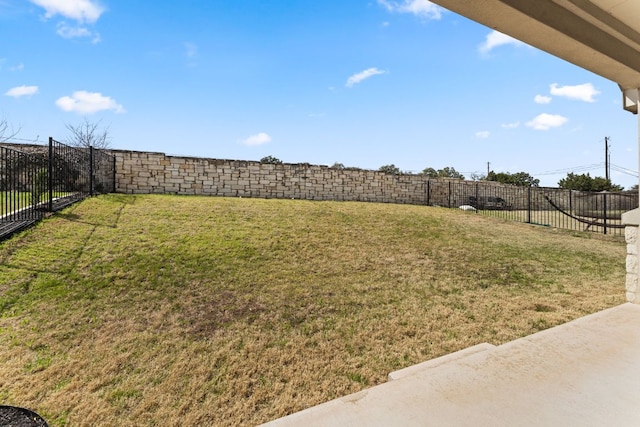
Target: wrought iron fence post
(449,196)
(91,170)
(50,176)
(529,205)
(114,172)
(604,208)
(477,197)
(428,189)
(570,201)
(6,187)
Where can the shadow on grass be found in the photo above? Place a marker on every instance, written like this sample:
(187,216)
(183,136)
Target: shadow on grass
(69,214)
(122,199)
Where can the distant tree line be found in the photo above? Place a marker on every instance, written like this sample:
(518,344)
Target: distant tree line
(585,182)
(446,172)
(572,181)
(521,179)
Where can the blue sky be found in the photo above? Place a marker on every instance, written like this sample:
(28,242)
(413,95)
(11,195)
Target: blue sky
(363,83)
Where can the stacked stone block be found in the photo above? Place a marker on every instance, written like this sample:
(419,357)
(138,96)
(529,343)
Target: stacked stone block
(631,220)
(157,173)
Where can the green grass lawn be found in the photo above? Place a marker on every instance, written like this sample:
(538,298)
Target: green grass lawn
(11,201)
(169,310)
(554,218)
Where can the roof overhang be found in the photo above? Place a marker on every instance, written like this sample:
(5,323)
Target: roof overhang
(602,36)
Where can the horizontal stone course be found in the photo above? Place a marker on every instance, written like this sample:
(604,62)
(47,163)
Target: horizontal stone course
(137,172)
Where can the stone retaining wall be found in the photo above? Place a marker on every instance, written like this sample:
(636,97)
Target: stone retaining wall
(157,173)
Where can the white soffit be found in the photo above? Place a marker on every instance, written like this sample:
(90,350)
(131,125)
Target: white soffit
(602,36)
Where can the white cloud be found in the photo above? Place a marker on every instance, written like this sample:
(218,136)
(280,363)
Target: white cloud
(495,39)
(422,8)
(68,32)
(363,75)
(78,10)
(19,91)
(547,121)
(18,67)
(584,92)
(191,50)
(257,139)
(83,102)
(483,134)
(542,99)
(513,125)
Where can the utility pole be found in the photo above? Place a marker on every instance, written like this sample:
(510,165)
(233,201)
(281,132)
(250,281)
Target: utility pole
(488,165)
(607,166)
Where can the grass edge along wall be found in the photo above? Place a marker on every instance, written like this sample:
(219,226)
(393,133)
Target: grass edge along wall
(157,173)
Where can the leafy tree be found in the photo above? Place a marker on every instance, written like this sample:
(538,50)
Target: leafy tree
(429,172)
(88,134)
(390,169)
(449,172)
(446,172)
(585,182)
(576,182)
(337,165)
(271,160)
(603,184)
(521,179)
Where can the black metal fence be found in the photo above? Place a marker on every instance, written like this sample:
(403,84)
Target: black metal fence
(568,209)
(40,179)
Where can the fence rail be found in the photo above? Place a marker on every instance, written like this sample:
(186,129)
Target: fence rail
(47,178)
(568,209)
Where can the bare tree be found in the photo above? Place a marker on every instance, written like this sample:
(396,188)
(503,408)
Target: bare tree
(88,134)
(6,132)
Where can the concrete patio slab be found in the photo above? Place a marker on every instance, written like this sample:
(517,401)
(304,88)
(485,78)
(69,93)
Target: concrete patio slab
(583,373)
(434,363)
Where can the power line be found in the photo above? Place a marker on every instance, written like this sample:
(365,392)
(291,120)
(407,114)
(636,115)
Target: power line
(583,168)
(624,170)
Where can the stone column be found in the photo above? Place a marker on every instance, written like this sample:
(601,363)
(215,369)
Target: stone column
(631,220)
